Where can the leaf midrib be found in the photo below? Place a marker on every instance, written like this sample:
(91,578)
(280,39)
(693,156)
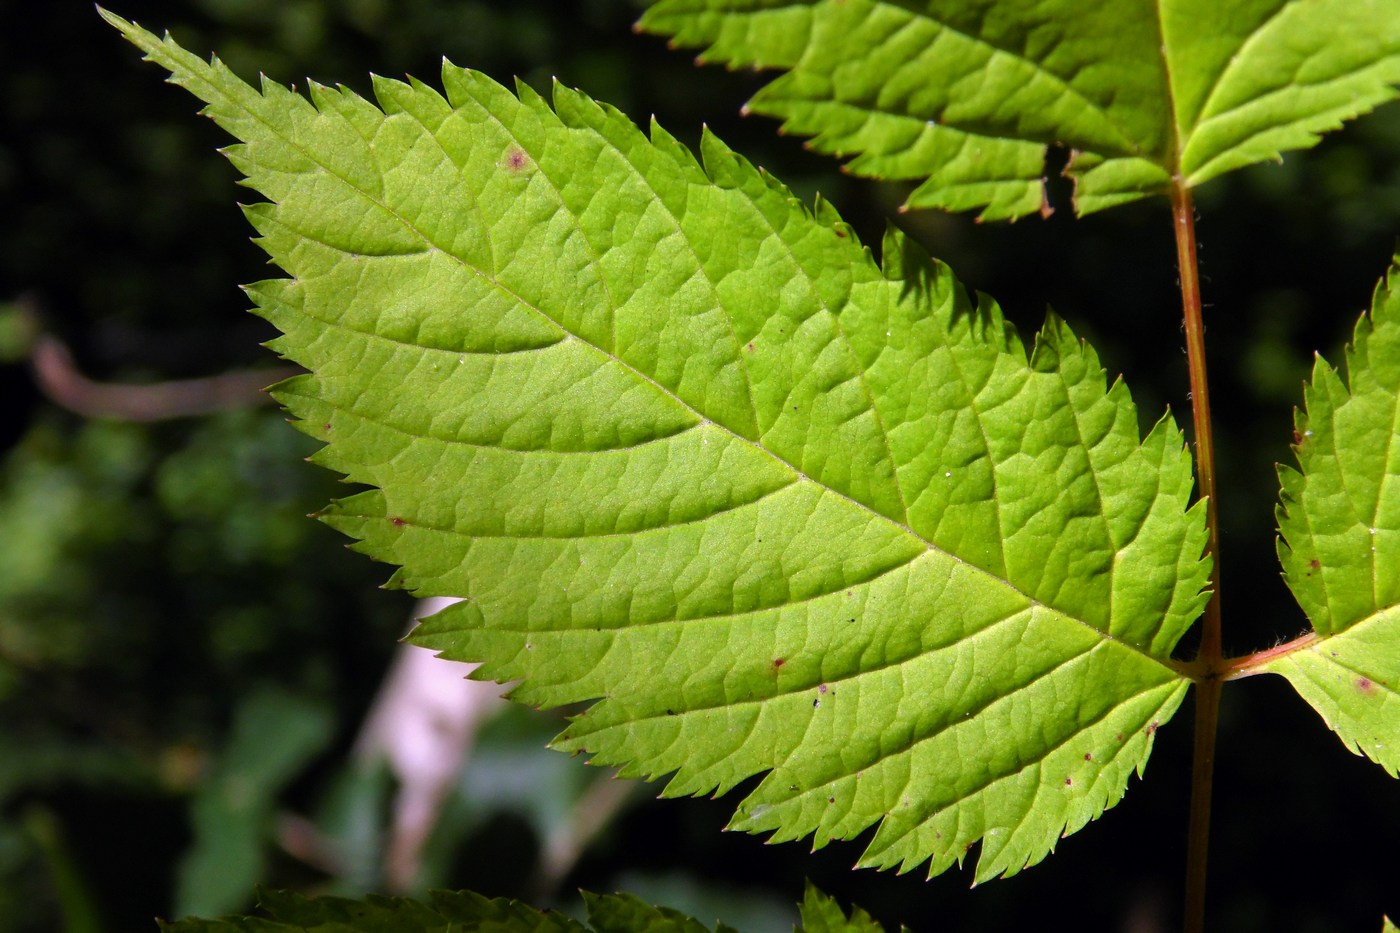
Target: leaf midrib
(1209,96)
(1317,646)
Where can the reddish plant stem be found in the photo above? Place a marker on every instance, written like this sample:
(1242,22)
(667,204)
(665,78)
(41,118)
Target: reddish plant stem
(1209,656)
(1210,652)
(1202,781)
(1250,664)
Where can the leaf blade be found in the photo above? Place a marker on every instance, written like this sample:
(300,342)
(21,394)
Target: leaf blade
(478,285)
(1302,71)
(966,97)
(1340,536)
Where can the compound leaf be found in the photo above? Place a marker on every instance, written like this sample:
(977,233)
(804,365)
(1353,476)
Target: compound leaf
(965,95)
(1339,519)
(685,449)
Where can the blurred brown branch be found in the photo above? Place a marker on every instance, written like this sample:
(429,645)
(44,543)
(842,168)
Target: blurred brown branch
(58,377)
(60,380)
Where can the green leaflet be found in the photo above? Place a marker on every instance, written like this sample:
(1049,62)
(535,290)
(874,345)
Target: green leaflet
(685,449)
(964,95)
(1340,546)
(821,914)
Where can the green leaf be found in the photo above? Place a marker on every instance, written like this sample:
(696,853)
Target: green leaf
(821,914)
(685,449)
(466,912)
(1340,548)
(623,913)
(965,96)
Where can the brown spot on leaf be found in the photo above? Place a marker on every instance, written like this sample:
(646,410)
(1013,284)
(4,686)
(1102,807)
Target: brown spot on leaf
(1088,756)
(822,688)
(1069,782)
(1365,686)
(515,161)
(1152,728)
(778,662)
(1315,564)
(397,521)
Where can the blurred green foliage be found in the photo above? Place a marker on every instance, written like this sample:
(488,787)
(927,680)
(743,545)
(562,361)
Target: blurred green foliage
(449,911)
(274,735)
(185,658)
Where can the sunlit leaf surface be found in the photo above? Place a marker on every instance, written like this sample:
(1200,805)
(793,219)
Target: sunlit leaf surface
(965,95)
(1340,545)
(684,448)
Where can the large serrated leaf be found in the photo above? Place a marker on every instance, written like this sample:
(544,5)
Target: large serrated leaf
(1340,547)
(965,95)
(684,448)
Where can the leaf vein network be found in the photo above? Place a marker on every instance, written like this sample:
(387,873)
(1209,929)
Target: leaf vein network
(680,232)
(1220,75)
(1353,500)
(854,357)
(523,451)
(379,202)
(1303,122)
(727,616)
(834,682)
(1036,762)
(586,536)
(1389,689)
(1129,147)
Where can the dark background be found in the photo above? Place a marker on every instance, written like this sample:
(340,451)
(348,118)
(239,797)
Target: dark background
(160,584)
